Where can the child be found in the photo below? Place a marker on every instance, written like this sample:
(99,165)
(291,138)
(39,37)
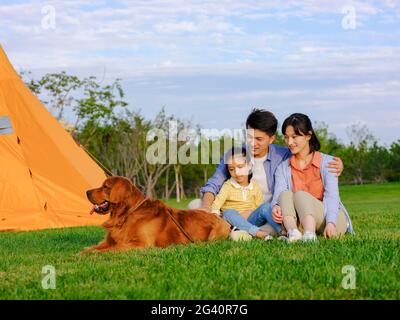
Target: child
(240,197)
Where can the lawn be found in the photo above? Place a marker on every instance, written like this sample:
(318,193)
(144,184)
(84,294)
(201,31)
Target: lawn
(220,270)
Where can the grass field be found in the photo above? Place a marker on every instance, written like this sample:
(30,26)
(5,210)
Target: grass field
(221,270)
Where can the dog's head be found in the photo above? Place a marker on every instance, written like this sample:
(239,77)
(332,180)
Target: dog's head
(114,190)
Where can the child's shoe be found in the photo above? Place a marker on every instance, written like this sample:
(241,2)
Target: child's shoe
(309,236)
(294,235)
(268,238)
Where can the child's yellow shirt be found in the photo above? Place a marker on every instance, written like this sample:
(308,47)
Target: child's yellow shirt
(233,196)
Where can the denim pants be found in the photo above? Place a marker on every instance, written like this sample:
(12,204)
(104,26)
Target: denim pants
(257,218)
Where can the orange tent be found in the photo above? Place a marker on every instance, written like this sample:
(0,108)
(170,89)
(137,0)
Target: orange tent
(44,174)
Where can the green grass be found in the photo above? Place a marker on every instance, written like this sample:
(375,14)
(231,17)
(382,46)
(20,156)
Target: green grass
(221,270)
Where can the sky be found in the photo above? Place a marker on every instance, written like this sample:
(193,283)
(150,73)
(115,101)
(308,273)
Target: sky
(211,62)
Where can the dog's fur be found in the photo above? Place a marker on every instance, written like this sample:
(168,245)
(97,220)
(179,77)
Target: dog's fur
(149,225)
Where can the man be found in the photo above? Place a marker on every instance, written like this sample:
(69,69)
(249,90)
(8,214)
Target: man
(261,128)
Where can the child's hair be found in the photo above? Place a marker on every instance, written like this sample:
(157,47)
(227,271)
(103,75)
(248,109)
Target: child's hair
(302,126)
(262,120)
(237,151)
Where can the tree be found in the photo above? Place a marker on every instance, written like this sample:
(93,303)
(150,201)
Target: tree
(99,103)
(393,173)
(329,143)
(361,140)
(32,84)
(58,90)
(183,130)
(149,172)
(98,106)
(377,163)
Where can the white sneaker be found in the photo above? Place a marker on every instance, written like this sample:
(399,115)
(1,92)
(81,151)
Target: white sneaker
(309,236)
(240,235)
(268,238)
(294,235)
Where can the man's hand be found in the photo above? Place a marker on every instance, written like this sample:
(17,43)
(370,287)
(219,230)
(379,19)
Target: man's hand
(336,166)
(206,202)
(277,214)
(330,230)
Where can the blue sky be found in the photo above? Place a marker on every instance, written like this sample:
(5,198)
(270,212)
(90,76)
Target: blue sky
(212,61)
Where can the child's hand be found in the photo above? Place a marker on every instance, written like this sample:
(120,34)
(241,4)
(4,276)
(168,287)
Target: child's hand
(277,214)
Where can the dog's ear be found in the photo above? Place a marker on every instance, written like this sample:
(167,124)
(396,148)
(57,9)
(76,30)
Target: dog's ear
(120,191)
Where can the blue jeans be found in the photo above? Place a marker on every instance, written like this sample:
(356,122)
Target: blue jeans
(257,218)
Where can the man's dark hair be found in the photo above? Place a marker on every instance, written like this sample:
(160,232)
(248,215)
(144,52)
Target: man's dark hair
(262,120)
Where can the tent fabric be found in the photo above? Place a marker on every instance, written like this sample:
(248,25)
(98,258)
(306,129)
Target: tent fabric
(44,174)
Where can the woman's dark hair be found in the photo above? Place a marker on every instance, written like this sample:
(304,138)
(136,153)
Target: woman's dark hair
(302,126)
(233,152)
(262,120)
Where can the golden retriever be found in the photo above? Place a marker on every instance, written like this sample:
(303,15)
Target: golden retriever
(137,222)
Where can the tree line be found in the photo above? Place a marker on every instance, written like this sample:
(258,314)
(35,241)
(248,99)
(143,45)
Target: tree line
(118,138)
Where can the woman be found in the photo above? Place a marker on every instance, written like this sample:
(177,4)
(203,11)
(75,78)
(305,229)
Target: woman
(306,197)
